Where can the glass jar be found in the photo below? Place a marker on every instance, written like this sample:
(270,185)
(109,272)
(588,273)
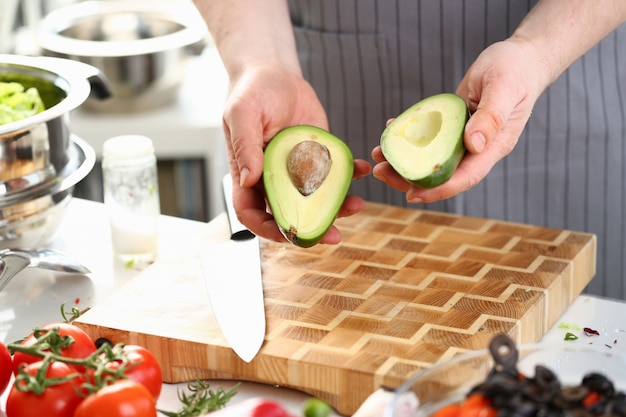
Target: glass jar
(131,195)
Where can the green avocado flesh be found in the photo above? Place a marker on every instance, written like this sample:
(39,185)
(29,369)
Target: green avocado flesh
(424,144)
(305,212)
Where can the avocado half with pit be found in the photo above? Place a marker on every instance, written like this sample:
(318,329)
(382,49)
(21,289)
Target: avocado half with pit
(424,144)
(307,173)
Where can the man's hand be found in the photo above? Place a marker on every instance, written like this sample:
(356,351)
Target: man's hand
(501,88)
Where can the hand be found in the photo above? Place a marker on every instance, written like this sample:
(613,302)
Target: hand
(264,100)
(501,88)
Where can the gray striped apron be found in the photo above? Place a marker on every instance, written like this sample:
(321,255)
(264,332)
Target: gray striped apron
(370,59)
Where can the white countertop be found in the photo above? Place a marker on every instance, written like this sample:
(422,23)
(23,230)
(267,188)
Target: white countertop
(34,296)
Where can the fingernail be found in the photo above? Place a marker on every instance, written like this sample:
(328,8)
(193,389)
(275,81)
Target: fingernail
(478,141)
(242,176)
(414,200)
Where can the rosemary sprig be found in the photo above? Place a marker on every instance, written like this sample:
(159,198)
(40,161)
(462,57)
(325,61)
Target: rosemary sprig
(202,399)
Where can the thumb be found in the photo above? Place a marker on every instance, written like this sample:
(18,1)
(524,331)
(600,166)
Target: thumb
(492,112)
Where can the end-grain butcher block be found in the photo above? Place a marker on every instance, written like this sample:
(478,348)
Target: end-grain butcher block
(404,290)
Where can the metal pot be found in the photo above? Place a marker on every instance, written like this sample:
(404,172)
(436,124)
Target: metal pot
(31,218)
(34,150)
(40,161)
(142,47)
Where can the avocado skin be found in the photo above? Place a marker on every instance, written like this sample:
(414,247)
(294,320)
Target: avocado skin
(324,206)
(446,169)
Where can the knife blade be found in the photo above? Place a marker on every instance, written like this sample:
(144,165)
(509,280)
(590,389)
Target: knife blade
(232,272)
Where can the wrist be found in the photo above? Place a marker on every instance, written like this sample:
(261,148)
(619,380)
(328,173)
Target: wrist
(238,67)
(546,66)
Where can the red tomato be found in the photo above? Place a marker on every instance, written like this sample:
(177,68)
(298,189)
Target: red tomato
(82,347)
(269,409)
(56,401)
(591,399)
(143,368)
(124,398)
(6,367)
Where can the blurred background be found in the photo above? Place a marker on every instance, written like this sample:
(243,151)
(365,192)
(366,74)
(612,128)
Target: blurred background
(166,86)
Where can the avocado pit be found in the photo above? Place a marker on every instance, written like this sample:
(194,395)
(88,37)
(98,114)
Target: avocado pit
(308,165)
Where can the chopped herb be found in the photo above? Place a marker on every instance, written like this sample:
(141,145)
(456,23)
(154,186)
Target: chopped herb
(201,400)
(591,332)
(568,326)
(570,336)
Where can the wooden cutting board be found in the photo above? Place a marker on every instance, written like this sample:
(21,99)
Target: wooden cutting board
(404,290)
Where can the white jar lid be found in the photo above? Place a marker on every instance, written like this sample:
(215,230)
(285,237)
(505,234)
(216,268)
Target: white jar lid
(127,147)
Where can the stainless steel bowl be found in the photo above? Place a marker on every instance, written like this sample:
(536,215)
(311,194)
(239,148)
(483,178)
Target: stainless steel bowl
(40,161)
(35,150)
(141,46)
(29,218)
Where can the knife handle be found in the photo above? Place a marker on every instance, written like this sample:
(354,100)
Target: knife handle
(237,230)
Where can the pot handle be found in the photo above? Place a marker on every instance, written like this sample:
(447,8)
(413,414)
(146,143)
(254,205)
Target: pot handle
(100,87)
(98,82)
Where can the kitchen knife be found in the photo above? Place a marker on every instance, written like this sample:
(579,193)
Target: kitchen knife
(232,271)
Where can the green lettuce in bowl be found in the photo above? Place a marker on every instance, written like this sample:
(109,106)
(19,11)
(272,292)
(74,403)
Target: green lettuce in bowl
(17,103)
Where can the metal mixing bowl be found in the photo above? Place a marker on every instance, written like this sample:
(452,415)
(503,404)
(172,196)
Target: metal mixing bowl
(40,162)
(35,149)
(141,46)
(28,219)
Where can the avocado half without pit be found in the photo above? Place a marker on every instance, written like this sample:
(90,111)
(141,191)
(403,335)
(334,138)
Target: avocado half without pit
(307,173)
(424,144)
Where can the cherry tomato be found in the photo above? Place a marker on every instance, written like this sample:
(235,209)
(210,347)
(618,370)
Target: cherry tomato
(82,347)
(124,398)
(270,409)
(143,368)
(6,367)
(58,400)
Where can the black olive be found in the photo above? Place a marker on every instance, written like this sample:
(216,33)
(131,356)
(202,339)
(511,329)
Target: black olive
(546,379)
(574,396)
(576,412)
(504,352)
(598,383)
(523,406)
(618,404)
(101,341)
(500,384)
